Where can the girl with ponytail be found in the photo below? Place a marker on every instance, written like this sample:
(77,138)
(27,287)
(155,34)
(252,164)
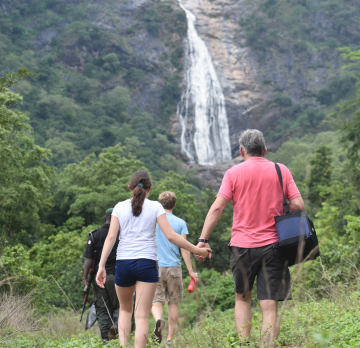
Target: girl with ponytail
(136,261)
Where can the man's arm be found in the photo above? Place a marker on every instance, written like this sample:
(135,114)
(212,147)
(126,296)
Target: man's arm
(186,256)
(211,220)
(88,264)
(296,204)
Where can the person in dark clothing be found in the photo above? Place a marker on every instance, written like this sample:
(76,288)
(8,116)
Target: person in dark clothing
(105,298)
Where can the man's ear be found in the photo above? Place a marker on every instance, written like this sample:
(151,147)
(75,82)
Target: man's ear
(265,151)
(242,151)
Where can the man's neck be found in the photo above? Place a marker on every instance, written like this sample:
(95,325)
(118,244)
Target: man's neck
(246,157)
(169,211)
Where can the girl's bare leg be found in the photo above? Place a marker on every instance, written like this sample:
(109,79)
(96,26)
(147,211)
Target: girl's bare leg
(144,296)
(125,296)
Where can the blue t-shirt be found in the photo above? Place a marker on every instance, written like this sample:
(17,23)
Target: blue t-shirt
(168,253)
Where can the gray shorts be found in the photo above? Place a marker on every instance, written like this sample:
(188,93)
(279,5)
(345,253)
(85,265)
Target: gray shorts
(268,265)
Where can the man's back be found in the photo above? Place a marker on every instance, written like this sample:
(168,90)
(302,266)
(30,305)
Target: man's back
(95,246)
(254,188)
(168,253)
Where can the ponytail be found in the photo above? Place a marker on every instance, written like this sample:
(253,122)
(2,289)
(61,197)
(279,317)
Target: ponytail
(139,184)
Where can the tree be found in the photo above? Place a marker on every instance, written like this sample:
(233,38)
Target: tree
(98,183)
(117,102)
(349,114)
(324,96)
(321,170)
(24,174)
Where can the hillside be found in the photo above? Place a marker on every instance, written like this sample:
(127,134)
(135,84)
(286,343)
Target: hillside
(108,73)
(111,71)
(278,61)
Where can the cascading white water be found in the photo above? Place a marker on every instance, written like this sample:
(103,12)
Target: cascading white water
(208,141)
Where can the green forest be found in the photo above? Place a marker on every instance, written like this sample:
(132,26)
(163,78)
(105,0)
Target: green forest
(73,129)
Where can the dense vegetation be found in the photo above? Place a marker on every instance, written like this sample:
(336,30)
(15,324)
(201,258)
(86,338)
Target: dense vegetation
(94,75)
(325,166)
(296,44)
(71,156)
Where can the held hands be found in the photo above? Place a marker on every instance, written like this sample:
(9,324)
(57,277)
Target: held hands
(203,252)
(101,277)
(206,246)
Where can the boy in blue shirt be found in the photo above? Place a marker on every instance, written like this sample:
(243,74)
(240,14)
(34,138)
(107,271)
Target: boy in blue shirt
(170,287)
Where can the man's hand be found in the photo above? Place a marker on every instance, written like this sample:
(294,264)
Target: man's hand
(84,282)
(194,276)
(202,245)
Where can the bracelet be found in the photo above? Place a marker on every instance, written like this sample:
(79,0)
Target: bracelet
(203,240)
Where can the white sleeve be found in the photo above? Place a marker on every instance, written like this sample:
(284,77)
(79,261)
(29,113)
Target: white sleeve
(159,210)
(116,211)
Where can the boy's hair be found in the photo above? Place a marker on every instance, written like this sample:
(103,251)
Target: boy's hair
(167,200)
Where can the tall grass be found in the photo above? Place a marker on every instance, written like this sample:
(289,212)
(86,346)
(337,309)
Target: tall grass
(322,316)
(16,316)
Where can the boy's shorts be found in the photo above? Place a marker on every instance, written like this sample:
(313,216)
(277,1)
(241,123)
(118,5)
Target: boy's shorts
(169,289)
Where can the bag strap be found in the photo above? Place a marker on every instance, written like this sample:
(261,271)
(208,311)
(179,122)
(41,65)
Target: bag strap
(285,203)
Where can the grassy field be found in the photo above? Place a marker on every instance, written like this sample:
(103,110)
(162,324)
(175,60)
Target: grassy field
(329,322)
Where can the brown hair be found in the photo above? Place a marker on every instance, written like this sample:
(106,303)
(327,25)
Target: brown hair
(139,183)
(167,199)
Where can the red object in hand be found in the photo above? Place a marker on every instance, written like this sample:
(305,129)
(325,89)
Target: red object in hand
(191,286)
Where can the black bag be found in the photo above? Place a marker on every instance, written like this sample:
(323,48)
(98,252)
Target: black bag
(296,232)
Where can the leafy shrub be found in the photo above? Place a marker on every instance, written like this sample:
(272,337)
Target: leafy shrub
(324,96)
(170,96)
(111,62)
(270,7)
(342,85)
(315,116)
(153,19)
(133,76)
(282,100)
(258,26)
(176,56)
(300,46)
(117,102)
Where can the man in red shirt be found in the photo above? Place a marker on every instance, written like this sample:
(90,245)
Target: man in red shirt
(254,189)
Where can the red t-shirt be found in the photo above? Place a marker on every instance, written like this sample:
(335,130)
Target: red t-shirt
(255,190)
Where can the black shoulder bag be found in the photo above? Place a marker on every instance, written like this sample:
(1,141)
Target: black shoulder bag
(297,237)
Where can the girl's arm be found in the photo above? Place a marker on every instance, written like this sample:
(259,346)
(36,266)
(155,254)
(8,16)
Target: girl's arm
(108,245)
(176,239)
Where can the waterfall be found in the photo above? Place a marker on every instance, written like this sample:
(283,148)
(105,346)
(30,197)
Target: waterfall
(205,132)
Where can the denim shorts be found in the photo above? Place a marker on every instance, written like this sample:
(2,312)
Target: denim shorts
(128,272)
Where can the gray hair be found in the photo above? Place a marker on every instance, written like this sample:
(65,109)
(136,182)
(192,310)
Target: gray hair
(253,142)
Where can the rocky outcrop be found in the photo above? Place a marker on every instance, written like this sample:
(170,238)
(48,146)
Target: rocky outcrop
(217,24)
(44,38)
(212,176)
(251,82)
(7,6)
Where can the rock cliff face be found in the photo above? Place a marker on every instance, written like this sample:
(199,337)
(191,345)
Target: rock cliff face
(250,81)
(217,24)
(252,76)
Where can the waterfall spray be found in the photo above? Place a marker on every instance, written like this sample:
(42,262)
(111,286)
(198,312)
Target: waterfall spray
(207,141)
